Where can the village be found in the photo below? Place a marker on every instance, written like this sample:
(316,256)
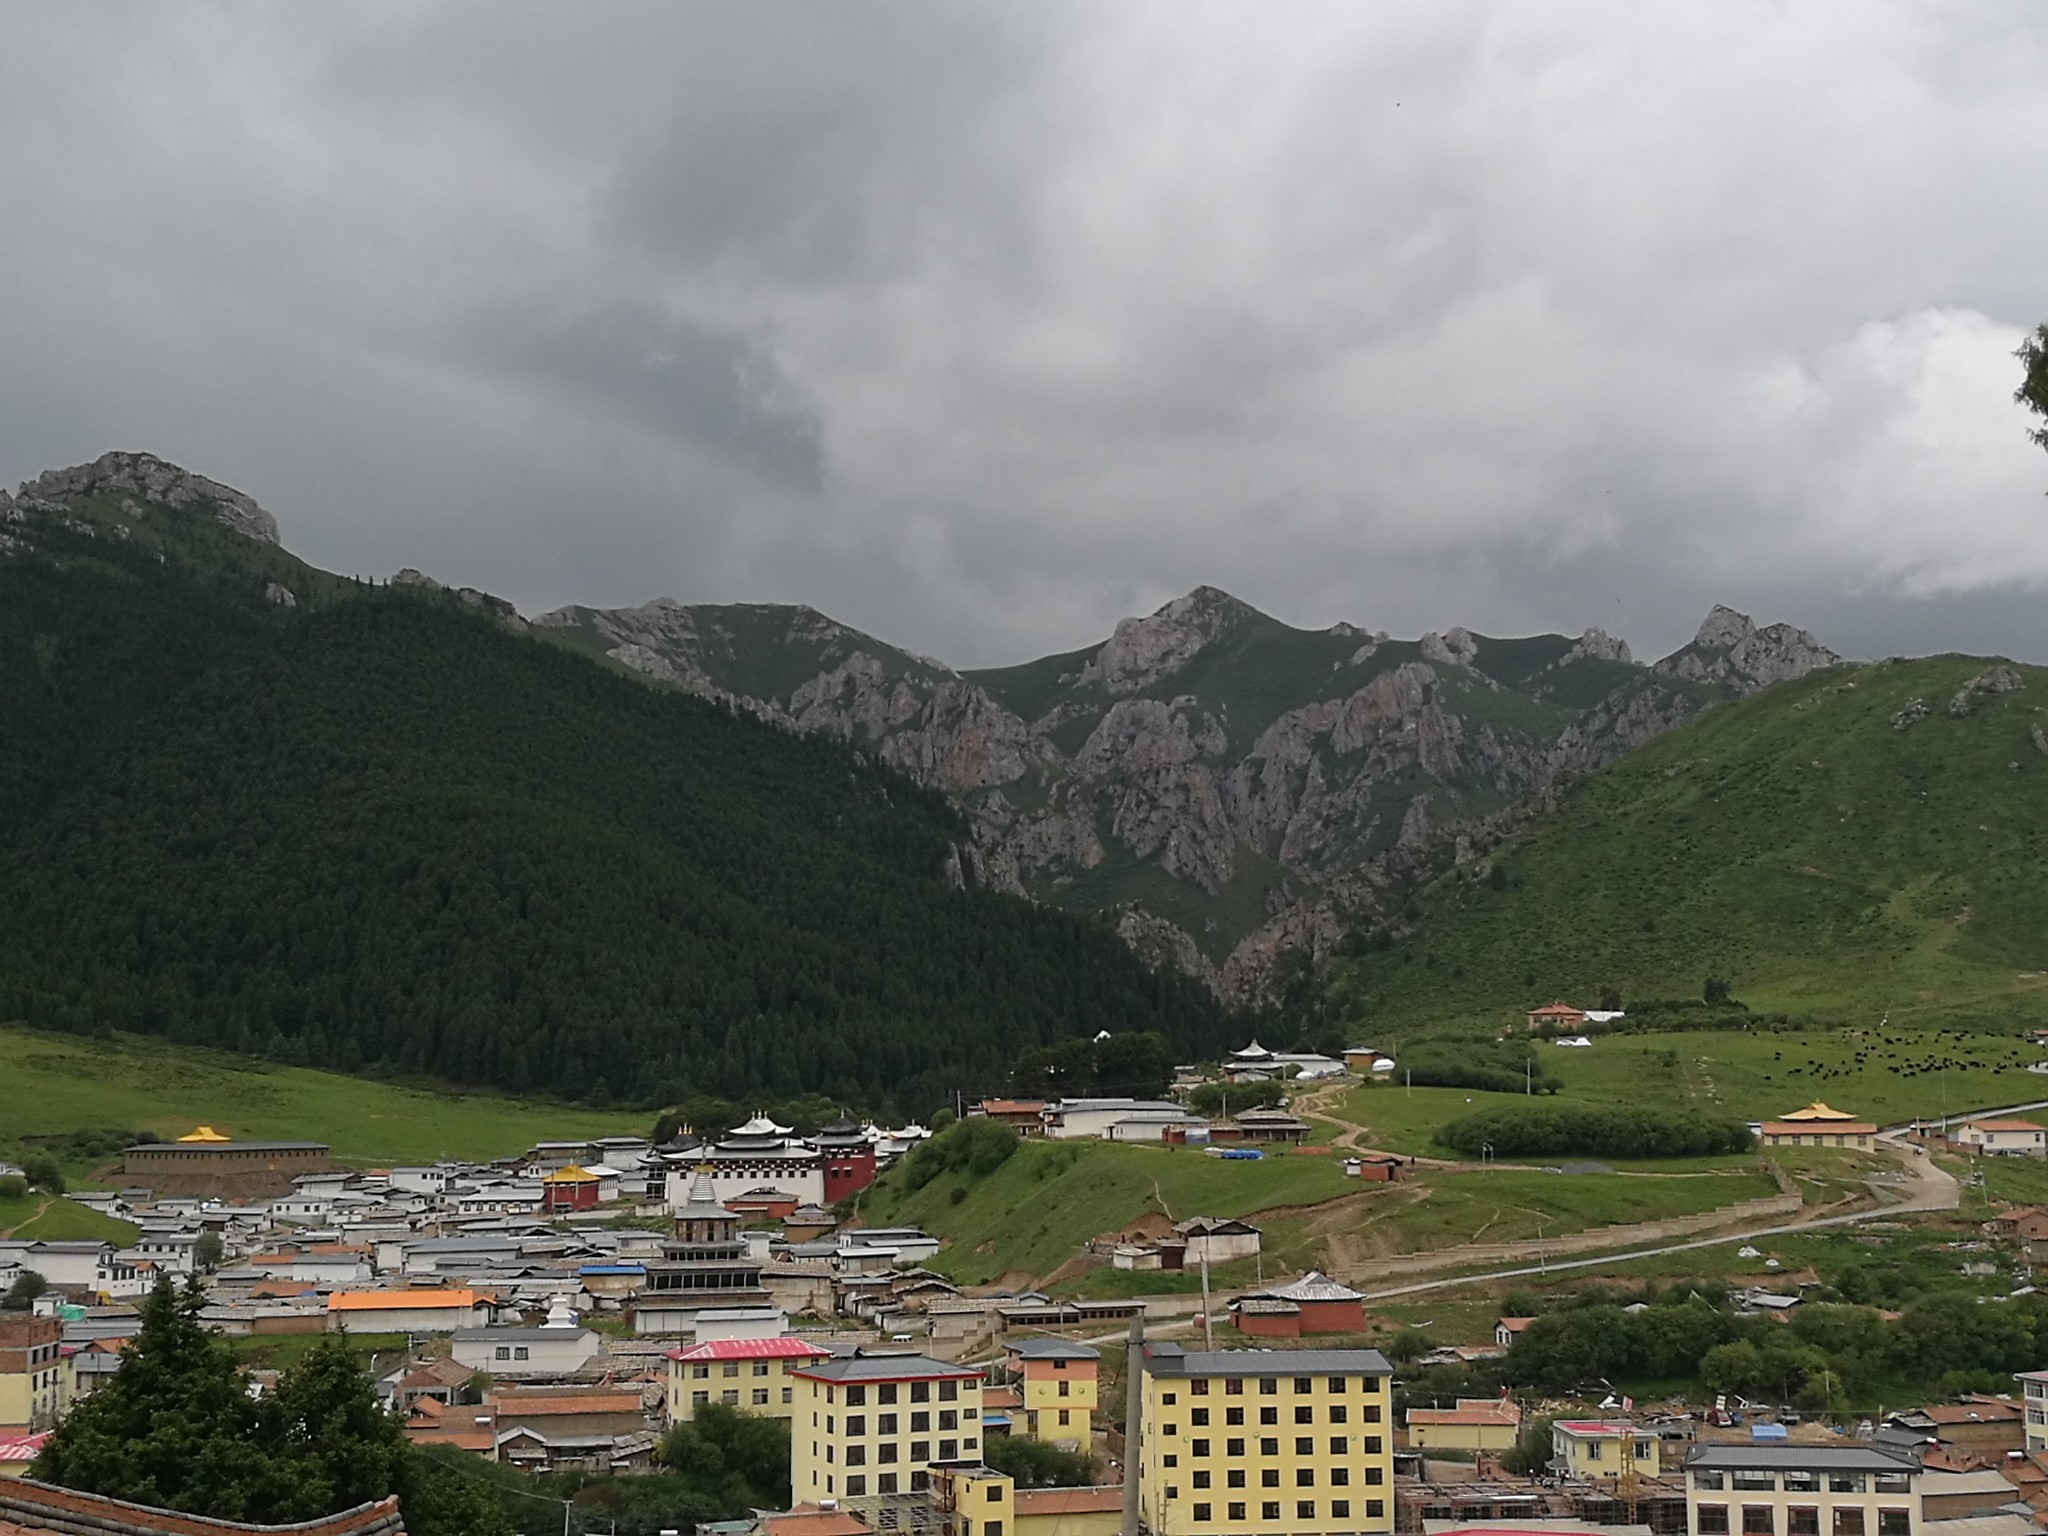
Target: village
(559,1311)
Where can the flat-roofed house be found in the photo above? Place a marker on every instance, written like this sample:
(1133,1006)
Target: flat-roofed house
(1597,1448)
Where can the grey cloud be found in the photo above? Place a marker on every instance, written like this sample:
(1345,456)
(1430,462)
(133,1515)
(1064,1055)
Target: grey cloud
(980,325)
(692,383)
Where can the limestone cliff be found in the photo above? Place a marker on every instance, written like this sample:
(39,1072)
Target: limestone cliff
(1236,791)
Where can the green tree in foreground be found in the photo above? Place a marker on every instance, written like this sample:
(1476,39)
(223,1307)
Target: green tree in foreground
(176,1428)
(2033,390)
(21,1295)
(1037,1464)
(731,1461)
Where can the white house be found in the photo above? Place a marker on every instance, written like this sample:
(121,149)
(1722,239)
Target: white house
(1079,1119)
(1218,1239)
(66,1265)
(741,1323)
(2004,1138)
(561,1346)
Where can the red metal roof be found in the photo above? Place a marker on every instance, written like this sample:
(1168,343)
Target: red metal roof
(788,1347)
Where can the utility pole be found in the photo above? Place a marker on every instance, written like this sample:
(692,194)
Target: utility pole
(1208,1322)
(1529,1077)
(1134,1408)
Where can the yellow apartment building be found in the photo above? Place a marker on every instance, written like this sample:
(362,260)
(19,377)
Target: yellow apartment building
(868,1428)
(35,1387)
(1266,1441)
(749,1374)
(1596,1448)
(1058,1380)
(1801,1490)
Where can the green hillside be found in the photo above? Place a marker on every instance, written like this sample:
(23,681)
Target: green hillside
(57,1084)
(1863,842)
(378,828)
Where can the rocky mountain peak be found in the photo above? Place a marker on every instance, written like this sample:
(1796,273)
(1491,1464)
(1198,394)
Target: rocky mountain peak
(152,479)
(1142,651)
(1455,647)
(1732,651)
(1722,628)
(1598,645)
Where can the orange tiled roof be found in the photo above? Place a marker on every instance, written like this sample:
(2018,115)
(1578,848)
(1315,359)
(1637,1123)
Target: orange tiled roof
(518,1406)
(1469,1411)
(373,1301)
(1069,1501)
(809,1520)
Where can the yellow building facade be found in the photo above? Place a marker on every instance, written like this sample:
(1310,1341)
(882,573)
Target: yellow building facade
(35,1386)
(1058,1381)
(1475,1424)
(752,1375)
(1266,1441)
(1596,1448)
(867,1428)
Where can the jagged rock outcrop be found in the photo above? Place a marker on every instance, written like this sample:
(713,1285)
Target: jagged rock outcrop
(1731,652)
(1144,650)
(1989,683)
(144,478)
(1344,769)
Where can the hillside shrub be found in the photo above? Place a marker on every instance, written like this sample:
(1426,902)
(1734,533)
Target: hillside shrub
(977,1146)
(1491,1066)
(1554,1130)
(1217,1099)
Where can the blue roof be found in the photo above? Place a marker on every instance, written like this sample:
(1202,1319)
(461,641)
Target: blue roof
(612,1269)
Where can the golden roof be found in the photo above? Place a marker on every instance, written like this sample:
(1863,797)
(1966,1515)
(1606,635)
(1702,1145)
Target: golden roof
(1816,1111)
(206,1133)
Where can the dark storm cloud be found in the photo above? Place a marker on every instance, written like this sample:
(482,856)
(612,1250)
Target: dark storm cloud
(703,388)
(982,325)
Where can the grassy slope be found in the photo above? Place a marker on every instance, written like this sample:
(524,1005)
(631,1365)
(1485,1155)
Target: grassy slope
(1751,1076)
(1037,1211)
(1796,843)
(59,1220)
(55,1083)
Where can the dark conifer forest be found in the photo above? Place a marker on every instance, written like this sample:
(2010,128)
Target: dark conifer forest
(381,830)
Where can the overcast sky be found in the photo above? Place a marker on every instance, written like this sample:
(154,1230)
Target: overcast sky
(980,325)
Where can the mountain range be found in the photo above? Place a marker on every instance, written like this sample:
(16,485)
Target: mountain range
(1235,793)
(249,804)
(1232,793)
